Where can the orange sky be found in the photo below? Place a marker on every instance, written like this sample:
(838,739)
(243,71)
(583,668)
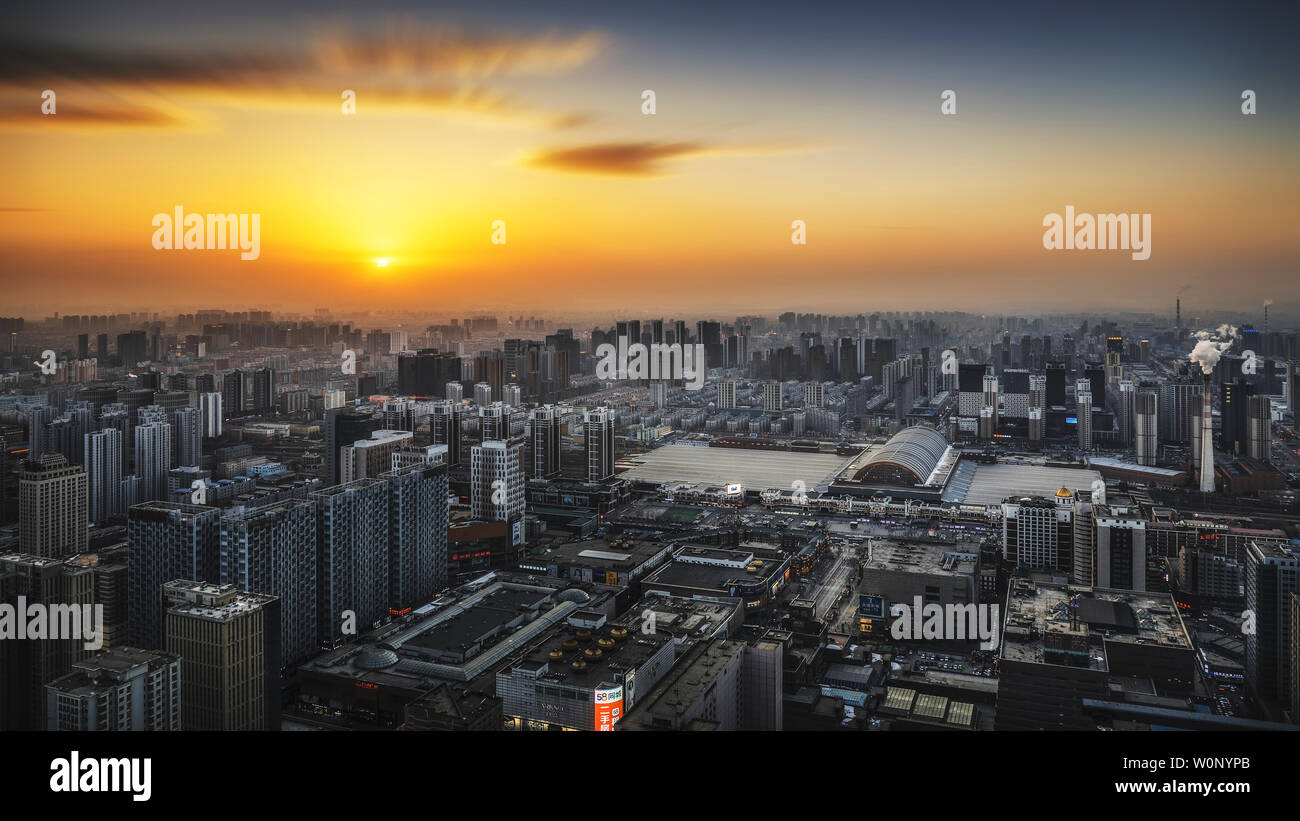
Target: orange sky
(602,204)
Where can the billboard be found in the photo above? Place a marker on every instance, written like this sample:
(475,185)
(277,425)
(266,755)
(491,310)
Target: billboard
(609,707)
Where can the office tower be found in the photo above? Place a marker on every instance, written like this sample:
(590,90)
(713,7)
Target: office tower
(1145,439)
(1095,375)
(1055,374)
(1180,402)
(101,346)
(497,480)
(232,394)
(344,426)
(426,372)
(1120,549)
(229,645)
(188,429)
(418,517)
(493,421)
(1234,403)
(52,507)
(210,414)
(205,383)
(153,458)
(1207,439)
(727,394)
(544,438)
(1126,410)
(970,387)
(166,541)
(989,398)
(482,394)
(272,550)
(1272,576)
(1259,429)
(123,689)
(351,558)
(263,391)
(55,584)
(598,435)
(38,419)
(1038,533)
(455,392)
(104,475)
(444,428)
(772,399)
(813,394)
(1084,401)
(903,399)
(132,348)
(1081,567)
(367,458)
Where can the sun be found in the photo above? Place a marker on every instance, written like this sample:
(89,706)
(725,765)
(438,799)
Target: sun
(382,262)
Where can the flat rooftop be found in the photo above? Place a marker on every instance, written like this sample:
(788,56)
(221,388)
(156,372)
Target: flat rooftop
(920,557)
(1041,615)
(978,484)
(755,469)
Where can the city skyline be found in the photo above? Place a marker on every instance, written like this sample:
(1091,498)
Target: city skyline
(831,116)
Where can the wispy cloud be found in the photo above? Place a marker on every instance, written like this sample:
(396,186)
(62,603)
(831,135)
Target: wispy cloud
(408,66)
(642,158)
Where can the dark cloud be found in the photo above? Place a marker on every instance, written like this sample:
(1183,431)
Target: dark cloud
(629,159)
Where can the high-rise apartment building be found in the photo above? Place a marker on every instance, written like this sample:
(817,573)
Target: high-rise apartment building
(166,541)
(123,689)
(598,435)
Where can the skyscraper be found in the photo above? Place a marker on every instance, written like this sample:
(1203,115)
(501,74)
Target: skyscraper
(166,541)
(1145,439)
(27,663)
(418,516)
(104,475)
(598,434)
(1259,428)
(343,427)
(153,458)
(497,480)
(272,550)
(210,414)
(445,428)
(544,441)
(351,558)
(187,426)
(52,507)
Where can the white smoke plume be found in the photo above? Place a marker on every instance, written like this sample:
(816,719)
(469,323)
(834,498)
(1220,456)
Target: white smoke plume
(1268,302)
(1211,346)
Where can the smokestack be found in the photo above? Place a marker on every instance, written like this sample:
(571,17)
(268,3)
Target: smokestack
(1178,314)
(1207,440)
(1266,304)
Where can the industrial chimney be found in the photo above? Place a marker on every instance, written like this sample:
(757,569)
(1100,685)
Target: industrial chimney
(1207,440)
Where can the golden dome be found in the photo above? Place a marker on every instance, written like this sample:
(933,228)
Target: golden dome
(1064,493)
